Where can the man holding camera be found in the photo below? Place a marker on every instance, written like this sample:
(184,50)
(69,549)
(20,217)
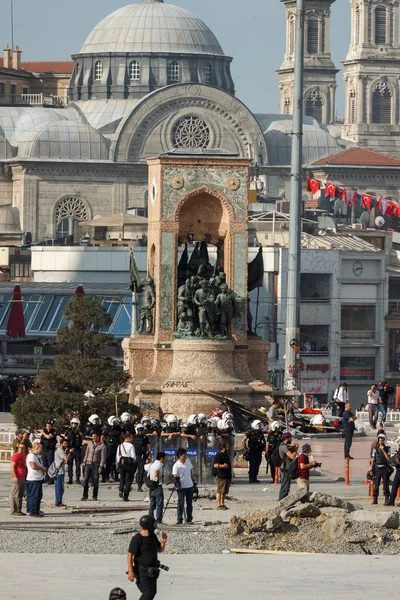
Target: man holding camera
(287,454)
(143,563)
(304,464)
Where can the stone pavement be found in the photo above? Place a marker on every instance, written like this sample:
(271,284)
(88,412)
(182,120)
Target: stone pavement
(79,577)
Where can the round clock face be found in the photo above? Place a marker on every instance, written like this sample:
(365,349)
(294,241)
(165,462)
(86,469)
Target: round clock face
(358,268)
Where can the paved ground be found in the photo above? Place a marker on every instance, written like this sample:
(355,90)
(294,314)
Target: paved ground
(77,577)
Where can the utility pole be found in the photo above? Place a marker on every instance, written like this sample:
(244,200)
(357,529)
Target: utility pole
(12,23)
(293,286)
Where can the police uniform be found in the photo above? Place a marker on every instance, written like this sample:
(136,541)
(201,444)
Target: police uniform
(141,444)
(381,472)
(74,438)
(256,446)
(49,447)
(112,439)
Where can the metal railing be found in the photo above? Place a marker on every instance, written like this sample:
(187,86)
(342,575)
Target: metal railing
(32,100)
(315,300)
(394,307)
(350,336)
(314,353)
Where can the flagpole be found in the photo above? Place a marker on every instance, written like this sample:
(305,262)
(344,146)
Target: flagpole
(257,305)
(134,314)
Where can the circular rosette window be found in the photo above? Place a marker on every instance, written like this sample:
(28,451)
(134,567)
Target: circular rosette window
(191,132)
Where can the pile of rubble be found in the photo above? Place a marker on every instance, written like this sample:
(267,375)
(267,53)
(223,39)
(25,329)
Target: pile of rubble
(317,522)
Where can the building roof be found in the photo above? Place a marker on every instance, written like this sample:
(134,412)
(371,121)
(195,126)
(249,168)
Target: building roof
(152,27)
(61,67)
(345,241)
(117,220)
(360,157)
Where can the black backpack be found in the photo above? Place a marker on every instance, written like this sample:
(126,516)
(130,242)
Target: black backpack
(293,470)
(112,440)
(275,456)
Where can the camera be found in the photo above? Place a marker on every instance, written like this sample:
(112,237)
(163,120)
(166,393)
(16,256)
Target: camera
(163,567)
(318,465)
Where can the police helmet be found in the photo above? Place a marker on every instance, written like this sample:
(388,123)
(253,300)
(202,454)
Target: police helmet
(256,425)
(148,522)
(110,420)
(172,419)
(139,428)
(222,426)
(275,426)
(202,418)
(227,416)
(229,424)
(125,417)
(75,422)
(212,422)
(116,421)
(192,420)
(146,420)
(95,420)
(117,594)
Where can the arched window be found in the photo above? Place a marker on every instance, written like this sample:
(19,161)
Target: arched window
(98,71)
(380,25)
(357,26)
(208,73)
(312,35)
(134,71)
(314,104)
(382,104)
(69,211)
(352,107)
(286,106)
(173,71)
(291,39)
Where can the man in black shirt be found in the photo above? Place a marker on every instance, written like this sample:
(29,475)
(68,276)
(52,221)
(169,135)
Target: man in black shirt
(223,468)
(141,443)
(348,426)
(112,438)
(254,443)
(380,467)
(74,438)
(396,480)
(142,557)
(48,440)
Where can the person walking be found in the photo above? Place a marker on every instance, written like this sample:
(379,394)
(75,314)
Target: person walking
(373,402)
(143,557)
(156,470)
(287,454)
(34,481)
(396,481)
(48,440)
(348,427)
(385,391)
(182,471)
(380,468)
(93,463)
(341,398)
(18,476)
(126,466)
(61,458)
(255,444)
(304,465)
(223,468)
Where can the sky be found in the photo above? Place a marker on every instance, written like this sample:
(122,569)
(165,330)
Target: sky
(251,31)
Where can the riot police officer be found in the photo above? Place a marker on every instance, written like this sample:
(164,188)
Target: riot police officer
(141,443)
(149,428)
(172,429)
(112,438)
(127,425)
(74,438)
(254,443)
(191,431)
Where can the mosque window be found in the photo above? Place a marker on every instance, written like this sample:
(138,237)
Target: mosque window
(208,73)
(312,35)
(353,108)
(98,71)
(134,71)
(291,36)
(191,132)
(357,21)
(173,71)
(380,25)
(286,106)
(314,104)
(382,104)
(68,211)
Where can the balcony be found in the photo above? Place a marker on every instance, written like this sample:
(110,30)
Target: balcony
(357,337)
(394,307)
(45,100)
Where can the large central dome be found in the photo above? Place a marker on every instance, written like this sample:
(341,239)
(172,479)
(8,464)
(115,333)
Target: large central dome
(152,27)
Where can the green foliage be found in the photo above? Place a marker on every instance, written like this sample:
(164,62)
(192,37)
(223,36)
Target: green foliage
(80,365)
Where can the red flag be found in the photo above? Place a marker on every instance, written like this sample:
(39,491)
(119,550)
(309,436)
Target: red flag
(390,209)
(16,321)
(79,291)
(330,190)
(313,185)
(366,201)
(397,211)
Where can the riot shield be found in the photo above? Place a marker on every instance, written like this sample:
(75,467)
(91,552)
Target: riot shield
(194,455)
(169,447)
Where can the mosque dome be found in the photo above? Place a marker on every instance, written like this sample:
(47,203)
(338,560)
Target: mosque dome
(152,26)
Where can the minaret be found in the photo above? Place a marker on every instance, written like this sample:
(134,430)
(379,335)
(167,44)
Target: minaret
(372,74)
(319,70)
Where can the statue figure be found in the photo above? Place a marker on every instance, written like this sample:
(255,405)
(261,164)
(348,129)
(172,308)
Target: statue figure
(204,299)
(148,303)
(226,308)
(185,326)
(185,298)
(249,318)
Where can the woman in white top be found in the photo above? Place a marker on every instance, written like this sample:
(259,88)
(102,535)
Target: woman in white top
(373,405)
(34,481)
(126,466)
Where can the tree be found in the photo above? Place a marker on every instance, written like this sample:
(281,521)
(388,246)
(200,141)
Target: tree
(81,365)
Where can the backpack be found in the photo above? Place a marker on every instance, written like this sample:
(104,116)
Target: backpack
(52,471)
(294,472)
(150,483)
(112,440)
(275,456)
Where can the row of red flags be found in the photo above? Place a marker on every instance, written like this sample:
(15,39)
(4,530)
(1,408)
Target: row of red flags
(349,196)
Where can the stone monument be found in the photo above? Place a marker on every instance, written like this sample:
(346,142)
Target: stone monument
(199,344)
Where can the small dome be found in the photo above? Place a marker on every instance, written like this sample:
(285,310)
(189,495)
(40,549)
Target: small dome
(66,140)
(152,27)
(9,219)
(317,142)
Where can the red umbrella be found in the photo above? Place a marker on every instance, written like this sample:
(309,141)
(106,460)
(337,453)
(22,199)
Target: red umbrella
(16,321)
(79,291)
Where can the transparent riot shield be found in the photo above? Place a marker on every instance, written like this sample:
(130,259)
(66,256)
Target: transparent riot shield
(194,455)
(154,446)
(209,455)
(169,447)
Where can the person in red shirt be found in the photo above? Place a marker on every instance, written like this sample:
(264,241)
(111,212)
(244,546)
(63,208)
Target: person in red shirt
(18,476)
(305,465)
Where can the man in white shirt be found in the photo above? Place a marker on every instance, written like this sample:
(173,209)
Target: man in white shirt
(156,490)
(342,398)
(126,465)
(373,396)
(183,474)
(34,481)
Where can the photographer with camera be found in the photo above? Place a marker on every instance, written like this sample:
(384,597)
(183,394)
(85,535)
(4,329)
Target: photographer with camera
(156,492)
(143,564)
(61,459)
(287,454)
(304,464)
